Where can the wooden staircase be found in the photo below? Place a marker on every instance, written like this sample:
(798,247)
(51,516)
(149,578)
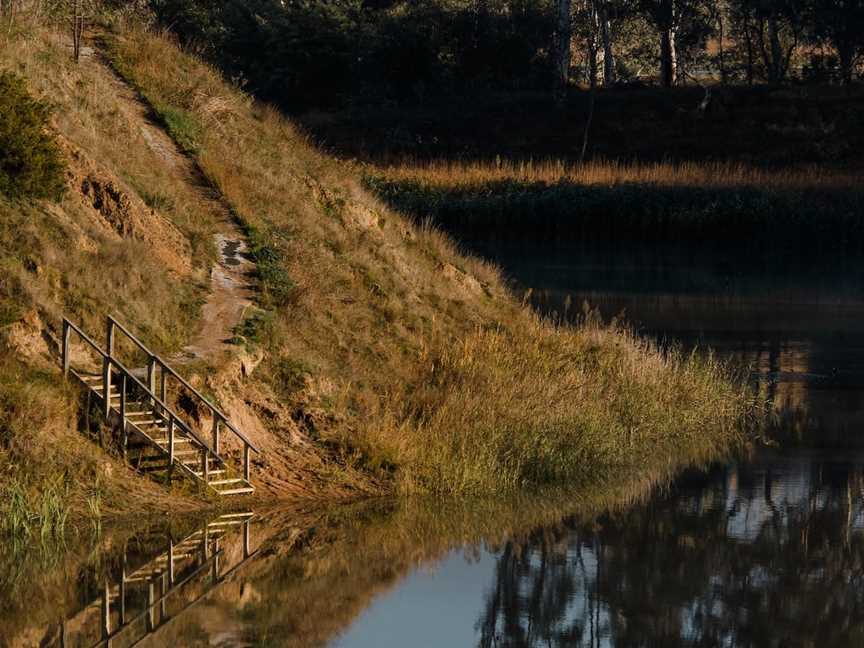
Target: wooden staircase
(153,438)
(137,602)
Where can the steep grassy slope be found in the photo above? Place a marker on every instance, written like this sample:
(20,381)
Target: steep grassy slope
(128,237)
(420,366)
(383,358)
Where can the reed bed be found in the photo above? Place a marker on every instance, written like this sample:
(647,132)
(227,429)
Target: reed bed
(723,174)
(799,211)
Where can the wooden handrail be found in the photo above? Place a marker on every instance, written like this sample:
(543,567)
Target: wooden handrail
(85,337)
(134,339)
(215,410)
(129,375)
(160,408)
(161,404)
(185,383)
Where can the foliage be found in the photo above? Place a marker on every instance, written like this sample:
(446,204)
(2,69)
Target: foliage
(266,248)
(302,54)
(30,161)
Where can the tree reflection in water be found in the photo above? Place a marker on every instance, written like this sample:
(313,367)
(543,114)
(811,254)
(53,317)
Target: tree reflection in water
(764,554)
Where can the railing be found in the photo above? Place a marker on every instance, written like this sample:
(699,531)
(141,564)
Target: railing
(157,366)
(164,582)
(110,364)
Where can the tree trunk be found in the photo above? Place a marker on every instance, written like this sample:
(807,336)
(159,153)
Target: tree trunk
(776,67)
(608,53)
(562,49)
(667,59)
(720,52)
(679,73)
(748,39)
(847,64)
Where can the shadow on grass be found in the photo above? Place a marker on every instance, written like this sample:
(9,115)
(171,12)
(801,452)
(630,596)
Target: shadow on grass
(813,221)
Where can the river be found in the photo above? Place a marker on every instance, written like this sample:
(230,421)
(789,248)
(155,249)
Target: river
(762,550)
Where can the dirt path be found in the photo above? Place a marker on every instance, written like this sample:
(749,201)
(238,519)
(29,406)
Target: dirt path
(231,277)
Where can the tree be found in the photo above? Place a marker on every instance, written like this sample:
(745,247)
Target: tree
(561,47)
(603,9)
(840,23)
(771,30)
(663,15)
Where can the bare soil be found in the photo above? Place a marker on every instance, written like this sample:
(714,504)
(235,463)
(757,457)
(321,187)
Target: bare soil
(232,276)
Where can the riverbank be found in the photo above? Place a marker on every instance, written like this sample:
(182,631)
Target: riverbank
(378,359)
(314,569)
(809,212)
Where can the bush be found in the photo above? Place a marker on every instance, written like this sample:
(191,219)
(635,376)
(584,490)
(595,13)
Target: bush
(30,161)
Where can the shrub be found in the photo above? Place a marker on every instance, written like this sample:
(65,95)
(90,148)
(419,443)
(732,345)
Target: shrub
(30,160)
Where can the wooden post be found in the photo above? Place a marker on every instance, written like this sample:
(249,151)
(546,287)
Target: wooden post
(124,433)
(216,423)
(163,391)
(109,337)
(106,367)
(151,376)
(170,447)
(106,386)
(246,469)
(163,595)
(216,561)
(67,332)
(106,610)
(246,539)
(151,607)
(171,562)
(123,592)
(206,465)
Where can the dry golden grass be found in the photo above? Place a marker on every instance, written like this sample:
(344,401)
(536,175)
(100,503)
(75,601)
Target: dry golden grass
(432,376)
(461,174)
(88,269)
(65,259)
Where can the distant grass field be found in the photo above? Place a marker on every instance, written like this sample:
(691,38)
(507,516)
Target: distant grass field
(809,211)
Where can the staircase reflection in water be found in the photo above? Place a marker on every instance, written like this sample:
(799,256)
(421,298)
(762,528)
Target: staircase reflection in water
(142,599)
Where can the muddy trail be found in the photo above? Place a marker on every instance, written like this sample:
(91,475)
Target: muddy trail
(232,275)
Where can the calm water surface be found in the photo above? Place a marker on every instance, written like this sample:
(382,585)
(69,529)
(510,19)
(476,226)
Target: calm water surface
(767,551)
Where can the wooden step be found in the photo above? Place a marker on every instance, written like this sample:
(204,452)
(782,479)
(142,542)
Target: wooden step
(236,480)
(236,491)
(247,514)
(214,471)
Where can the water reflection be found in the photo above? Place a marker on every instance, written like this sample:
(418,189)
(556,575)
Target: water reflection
(767,551)
(764,554)
(144,592)
(798,323)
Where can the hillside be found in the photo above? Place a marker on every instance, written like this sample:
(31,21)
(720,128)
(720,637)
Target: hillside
(377,358)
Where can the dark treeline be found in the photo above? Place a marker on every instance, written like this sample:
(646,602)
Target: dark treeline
(312,53)
(306,54)
(306,50)
(389,79)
